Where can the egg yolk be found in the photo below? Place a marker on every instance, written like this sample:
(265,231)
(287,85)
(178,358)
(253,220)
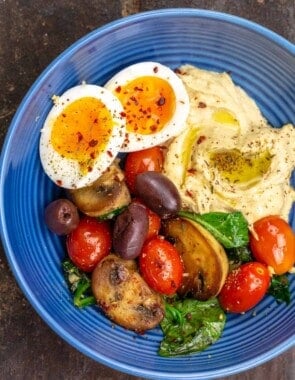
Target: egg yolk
(81,131)
(149,104)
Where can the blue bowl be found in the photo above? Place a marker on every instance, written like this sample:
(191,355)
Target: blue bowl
(262,62)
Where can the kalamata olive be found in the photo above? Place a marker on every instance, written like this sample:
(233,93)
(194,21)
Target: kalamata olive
(61,216)
(130,230)
(159,193)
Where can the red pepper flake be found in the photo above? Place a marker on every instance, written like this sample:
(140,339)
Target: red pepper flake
(136,88)
(159,263)
(155,69)
(189,193)
(90,168)
(202,105)
(192,171)
(64,115)
(95,121)
(79,136)
(93,143)
(153,128)
(118,89)
(133,98)
(109,153)
(201,139)
(161,101)
(173,284)
(177,71)
(92,155)
(123,114)
(59,182)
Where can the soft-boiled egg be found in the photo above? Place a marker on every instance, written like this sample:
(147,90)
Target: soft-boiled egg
(82,135)
(155,103)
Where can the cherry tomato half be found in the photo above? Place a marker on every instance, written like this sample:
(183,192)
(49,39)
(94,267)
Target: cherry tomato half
(244,287)
(161,266)
(273,243)
(89,243)
(154,224)
(154,221)
(150,159)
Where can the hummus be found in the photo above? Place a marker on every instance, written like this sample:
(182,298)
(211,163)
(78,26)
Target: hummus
(229,157)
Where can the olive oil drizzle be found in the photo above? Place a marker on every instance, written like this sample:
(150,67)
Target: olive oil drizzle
(239,167)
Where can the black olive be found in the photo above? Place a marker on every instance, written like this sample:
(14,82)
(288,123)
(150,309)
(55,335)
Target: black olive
(61,216)
(130,230)
(158,193)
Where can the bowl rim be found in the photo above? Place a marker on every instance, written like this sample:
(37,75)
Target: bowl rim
(118,23)
(98,32)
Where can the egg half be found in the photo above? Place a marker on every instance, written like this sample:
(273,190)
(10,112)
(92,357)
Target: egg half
(155,103)
(82,135)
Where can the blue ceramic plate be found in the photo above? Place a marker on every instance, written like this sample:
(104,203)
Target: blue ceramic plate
(262,62)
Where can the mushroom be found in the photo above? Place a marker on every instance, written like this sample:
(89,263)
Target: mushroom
(108,194)
(124,296)
(205,261)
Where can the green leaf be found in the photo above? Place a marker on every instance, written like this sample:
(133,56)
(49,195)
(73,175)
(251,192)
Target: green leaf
(240,254)
(79,284)
(279,288)
(230,229)
(112,214)
(190,326)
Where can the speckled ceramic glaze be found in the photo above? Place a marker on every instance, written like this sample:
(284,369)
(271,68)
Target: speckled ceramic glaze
(262,62)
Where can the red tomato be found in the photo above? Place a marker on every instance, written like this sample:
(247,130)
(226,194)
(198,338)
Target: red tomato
(244,287)
(150,159)
(89,243)
(154,224)
(273,243)
(161,266)
(154,221)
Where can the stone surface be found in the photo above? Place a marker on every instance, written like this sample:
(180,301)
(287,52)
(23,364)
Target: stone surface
(32,34)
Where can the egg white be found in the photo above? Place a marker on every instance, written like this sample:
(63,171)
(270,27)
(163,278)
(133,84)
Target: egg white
(64,171)
(137,141)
